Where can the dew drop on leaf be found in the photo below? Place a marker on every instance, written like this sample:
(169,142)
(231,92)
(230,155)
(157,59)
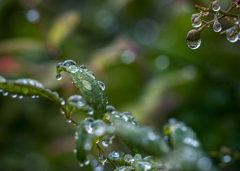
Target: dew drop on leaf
(110,108)
(82,68)
(86,84)
(73,69)
(101,85)
(69,63)
(91,74)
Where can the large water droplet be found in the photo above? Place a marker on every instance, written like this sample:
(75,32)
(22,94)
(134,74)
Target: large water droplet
(86,84)
(232,35)
(58,76)
(73,69)
(217,27)
(101,85)
(196,20)
(110,108)
(216,6)
(193,39)
(91,74)
(76,100)
(69,63)
(2,79)
(82,68)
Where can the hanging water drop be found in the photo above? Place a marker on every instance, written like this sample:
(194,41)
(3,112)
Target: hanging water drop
(58,76)
(62,111)
(82,68)
(62,101)
(196,20)
(232,35)
(73,69)
(217,27)
(193,39)
(101,85)
(216,6)
(60,64)
(20,97)
(90,112)
(69,63)
(68,120)
(87,162)
(128,159)
(33,96)
(14,95)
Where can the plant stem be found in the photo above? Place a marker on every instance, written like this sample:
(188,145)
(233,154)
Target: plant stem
(225,13)
(103,153)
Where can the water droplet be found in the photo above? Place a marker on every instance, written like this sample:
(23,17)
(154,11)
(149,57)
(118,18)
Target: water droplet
(2,79)
(62,101)
(58,76)
(232,35)
(1,90)
(89,119)
(94,163)
(4,93)
(68,120)
(33,96)
(86,84)
(128,159)
(217,27)
(216,6)
(151,136)
(110,108)
(196,20)
(101,85)
(106,141)
(69,63)
(83,68)
(102,158)
(20,97)
(62,111)
(73,69)
(87,162)
(75,150)
(137,157)
(76,100)
(87,146)
(79,76)
(37,96)
(29,82)
(226,159)
(127,113)
(99,168)
(81,165)
(204,164)
(60,64)
(111,129)
(90,112)
(91,74)
(193,39)
(14,95)
(33,16)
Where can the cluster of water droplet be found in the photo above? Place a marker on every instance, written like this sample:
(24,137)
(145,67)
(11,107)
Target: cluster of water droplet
(137,162)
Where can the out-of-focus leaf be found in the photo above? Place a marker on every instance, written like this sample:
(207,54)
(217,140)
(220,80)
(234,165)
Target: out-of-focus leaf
(63,27)
(19,45)
(124,168)
(91,89)
(28,87)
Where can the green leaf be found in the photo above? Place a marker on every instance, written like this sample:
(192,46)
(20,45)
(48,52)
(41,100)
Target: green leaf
(29,87)
(91,89)
(124,168)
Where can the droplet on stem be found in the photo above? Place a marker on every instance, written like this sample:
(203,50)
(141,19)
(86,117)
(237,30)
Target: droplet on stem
(232,35)
(196,20)
(216,6)
(217,27)
(101,85)
(193,39)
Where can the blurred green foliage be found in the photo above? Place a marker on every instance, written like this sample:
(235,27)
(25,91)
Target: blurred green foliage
(138,49)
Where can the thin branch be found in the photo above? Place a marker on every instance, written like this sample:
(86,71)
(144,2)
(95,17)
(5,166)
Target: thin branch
(103,153)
